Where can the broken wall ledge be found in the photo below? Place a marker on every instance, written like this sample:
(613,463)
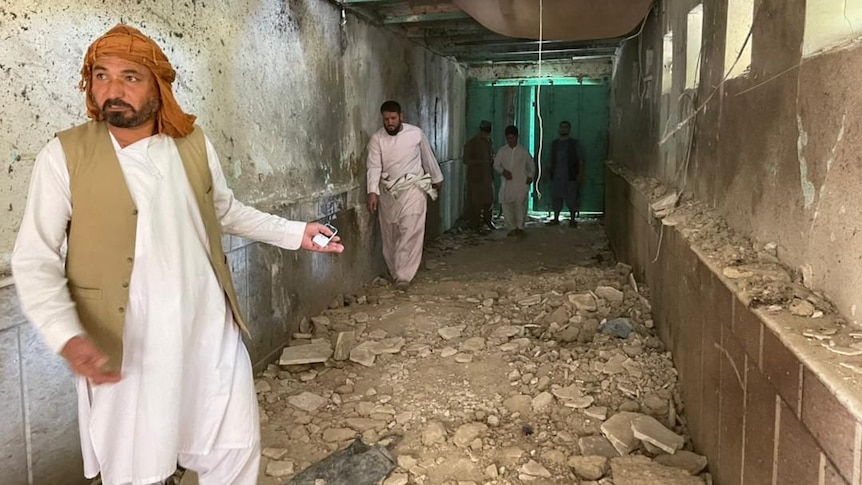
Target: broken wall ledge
(764,403)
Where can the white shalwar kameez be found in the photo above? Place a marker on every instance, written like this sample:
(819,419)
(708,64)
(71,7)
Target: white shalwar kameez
(513,193)
(186,392)
(402,218)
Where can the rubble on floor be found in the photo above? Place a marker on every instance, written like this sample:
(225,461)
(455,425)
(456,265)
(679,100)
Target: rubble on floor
(549,376)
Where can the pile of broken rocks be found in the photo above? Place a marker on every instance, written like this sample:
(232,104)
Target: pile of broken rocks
(586,392)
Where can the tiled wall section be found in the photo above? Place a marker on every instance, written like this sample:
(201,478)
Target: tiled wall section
(760,415)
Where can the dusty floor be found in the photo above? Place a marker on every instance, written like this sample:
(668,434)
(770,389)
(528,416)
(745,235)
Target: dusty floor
(492,368)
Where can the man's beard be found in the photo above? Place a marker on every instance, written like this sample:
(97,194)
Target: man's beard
(394,131)
(131,119)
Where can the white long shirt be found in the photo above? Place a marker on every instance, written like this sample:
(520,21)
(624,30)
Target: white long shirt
(519,162)
(186,385)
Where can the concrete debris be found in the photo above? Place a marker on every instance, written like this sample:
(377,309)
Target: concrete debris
(305,354)
(735,274)
(648,429)
(307,401)
(618,430)
(280,469)
(802,308)
(640,470)
(684,460)
(589,467)
(530,376)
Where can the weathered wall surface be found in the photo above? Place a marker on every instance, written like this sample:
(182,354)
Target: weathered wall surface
(775,150)
(288,96)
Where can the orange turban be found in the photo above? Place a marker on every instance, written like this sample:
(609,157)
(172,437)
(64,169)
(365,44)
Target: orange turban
(130,44)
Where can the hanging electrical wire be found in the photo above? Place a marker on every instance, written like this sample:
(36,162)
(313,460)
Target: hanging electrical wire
(539,105)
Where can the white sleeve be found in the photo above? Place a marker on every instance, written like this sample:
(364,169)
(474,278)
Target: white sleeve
(429,161)
(38,261)
(241,220)
(498,161)
(374,166)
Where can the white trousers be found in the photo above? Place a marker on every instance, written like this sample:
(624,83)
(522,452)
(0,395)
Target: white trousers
(233,466)
(515,213)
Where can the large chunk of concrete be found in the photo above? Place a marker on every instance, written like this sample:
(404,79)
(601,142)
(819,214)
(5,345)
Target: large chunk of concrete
(640,470)
(305,354)
(618,430)
(649,430)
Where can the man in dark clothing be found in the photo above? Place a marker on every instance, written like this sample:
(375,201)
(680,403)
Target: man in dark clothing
(479,158)
(567,174)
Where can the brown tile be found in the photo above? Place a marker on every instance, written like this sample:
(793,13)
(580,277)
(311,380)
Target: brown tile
(759,428)
(732,410)
(798,453)
(830,473)
(748,330)
(782,368)
(829,423)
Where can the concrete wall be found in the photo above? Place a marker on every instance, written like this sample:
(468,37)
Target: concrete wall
(288,96)
(774,150)
(762,403)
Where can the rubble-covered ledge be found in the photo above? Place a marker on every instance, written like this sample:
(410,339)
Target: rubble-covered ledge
(766,400)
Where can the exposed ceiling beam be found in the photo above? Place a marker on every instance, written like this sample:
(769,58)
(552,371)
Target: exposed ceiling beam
(479,57)
(426,17)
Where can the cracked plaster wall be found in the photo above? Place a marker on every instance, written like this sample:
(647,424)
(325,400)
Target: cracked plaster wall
(776,150)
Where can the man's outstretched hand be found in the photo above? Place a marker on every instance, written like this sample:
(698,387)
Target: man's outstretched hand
(314,228)
(88,361)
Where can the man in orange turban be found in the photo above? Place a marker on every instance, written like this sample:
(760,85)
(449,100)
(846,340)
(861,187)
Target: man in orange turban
(142,306)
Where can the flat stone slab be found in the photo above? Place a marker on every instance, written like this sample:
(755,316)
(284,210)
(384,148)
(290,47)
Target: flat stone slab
(597,446)
(684,460)
(390,345)
(589,467)
(584,301)
(473,344)
(610,294)
(363,354)
(618,430)
(305,354)
(640,470)
(280,469)
(449,333)
(307,401)
(648,429)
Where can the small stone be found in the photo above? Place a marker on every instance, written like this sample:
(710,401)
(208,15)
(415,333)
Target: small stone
(584,302)
(363,354)
(274,453)
(389,346)
(434,433)
(685,460)
(610,294)
(305,354)
(560,316)
(377,334)
(344,343)
(473,344)
(493,420)
(530,300)
(469,432)
(337,435)
(262,386)
(449,333)
(407,462)
(735,274)
(518,404)
(554,456)
(533,469)
(617,327)
(581,402)
(506,331)
(598,412)
(589,467)
(491,471)
(568,392)
(320,322)
(464,358)
(360,317)
(280,469)
(447,352)
(802,308)
(488,302)
(570,334)
(542,402)
(396,479)
(656,405)
(597,446)
(307,401)
(648,429)
(618,430)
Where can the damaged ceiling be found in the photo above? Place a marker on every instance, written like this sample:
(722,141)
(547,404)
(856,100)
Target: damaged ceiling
(506,31)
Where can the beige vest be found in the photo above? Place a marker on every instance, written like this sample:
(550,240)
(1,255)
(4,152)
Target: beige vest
(101,233)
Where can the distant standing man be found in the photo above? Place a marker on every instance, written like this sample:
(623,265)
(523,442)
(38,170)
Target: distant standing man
(515,164)
(478,156)
(402,170)
(567,175)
